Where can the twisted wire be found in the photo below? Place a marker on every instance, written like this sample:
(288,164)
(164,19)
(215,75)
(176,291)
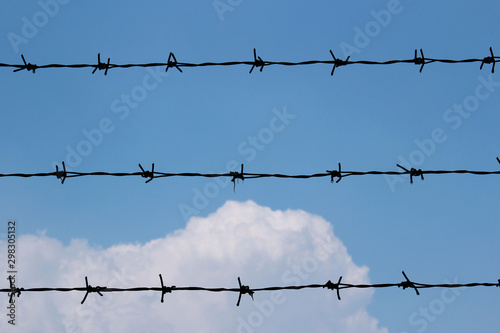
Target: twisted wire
(243,289)
(419,59)
(241,175)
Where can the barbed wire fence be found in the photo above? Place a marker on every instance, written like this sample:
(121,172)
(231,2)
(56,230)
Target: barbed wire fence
(335,175)
(241,175)
(257,62)
(14,291)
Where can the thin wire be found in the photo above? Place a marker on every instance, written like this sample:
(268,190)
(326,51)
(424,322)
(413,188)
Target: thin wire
(256,63)
(242,289)
(235,175)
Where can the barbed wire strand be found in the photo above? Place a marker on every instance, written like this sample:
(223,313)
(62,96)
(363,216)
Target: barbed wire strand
(243,289)
(235,175)
(419,59)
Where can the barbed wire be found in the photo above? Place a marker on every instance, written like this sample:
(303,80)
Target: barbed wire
(257,63)
(241,175)
(243,289)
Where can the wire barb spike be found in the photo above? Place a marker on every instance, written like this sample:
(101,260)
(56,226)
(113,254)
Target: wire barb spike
(101,65)
(171,63)
(334,286)
(489,60)
(28,66)
(257,62)
(408,284)
(148,174)
(237,175)
(164,289)
(413,172)
(335,173)
(91,289)
(419,61)
(243,290)
(61,174)
(13,290)
(338,62)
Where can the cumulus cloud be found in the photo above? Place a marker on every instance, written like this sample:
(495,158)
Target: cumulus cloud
(262,246)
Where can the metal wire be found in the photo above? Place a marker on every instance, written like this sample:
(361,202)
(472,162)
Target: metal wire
(242,289)
(235,175)
(257,62)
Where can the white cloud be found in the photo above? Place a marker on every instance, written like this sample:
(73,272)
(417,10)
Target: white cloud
(262,246)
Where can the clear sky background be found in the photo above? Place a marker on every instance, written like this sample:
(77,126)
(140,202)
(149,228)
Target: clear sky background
(199,232)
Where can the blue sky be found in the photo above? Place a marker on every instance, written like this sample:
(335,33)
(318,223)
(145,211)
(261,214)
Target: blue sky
(366,117)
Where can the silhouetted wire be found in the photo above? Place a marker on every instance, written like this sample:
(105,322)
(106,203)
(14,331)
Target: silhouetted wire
(257,63)
(235,175)
(243,289)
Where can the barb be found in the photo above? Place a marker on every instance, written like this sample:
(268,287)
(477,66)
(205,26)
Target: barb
(419,61)
(91,289)
(335,173)
(148,174)
(164,289)
(334,286)
(235,175)
(61,174)
(28,66)
(242,289)
(413,172)
(13,290)
(171,63)
(259,63)
(100,65)
(338,62)
(489,60)
(408,284)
